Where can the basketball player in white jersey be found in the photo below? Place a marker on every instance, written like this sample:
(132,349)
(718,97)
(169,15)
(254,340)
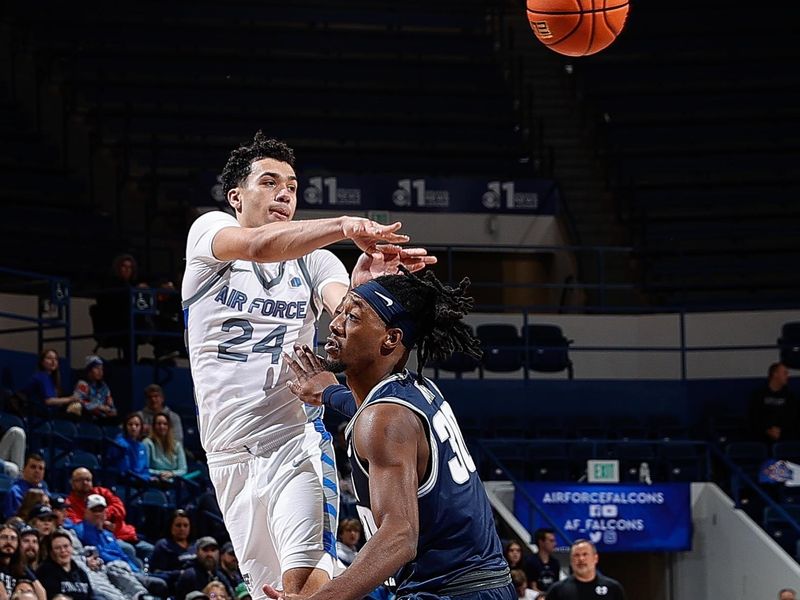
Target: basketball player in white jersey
(253,288)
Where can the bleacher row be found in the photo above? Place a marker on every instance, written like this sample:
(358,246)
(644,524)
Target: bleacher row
(66,445)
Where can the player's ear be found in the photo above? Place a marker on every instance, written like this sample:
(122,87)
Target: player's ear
(394,337)
(235,199)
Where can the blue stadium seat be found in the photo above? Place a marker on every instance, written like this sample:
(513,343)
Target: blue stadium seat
(501,347)
(546,349)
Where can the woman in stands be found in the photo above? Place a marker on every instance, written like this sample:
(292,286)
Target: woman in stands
(166,458)
(44,396)
(31,498)
(513,554)
(128,455)
(174,552)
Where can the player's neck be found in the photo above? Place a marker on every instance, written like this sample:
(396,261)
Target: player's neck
(361,383)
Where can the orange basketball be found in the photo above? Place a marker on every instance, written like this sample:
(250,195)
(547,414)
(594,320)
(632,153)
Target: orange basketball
(577,27)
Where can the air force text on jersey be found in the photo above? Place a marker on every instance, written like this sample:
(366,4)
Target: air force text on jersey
(233,298)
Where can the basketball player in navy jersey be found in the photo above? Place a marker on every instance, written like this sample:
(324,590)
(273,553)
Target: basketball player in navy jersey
(423,507)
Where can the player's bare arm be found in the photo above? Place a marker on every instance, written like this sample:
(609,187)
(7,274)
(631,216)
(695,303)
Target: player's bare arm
(392,441)
(288,240)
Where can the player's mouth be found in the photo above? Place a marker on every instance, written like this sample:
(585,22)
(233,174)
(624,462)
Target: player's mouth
(280,212)
(332,346)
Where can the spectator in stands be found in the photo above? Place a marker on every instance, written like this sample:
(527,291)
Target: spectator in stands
(787,594)
(82,488)
(43,519)
(229,564)
(92,531)
(174,552)
(773,408)
(94,393)
(513,554)
(348,536)
(43,393)
(32,478)
(209,521)
(12,451)
(520,581)
(12,567)
(59,505)
(204,570)
(128,455)
(32,498)
(24,588)
(59,573)
(216,591)
(543,569)
(29,547)
(165,454)
(241,592)
(154,404)
(585,579)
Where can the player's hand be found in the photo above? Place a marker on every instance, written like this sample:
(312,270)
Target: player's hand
(311,377)
(367,234)
(386,258)
(271,592)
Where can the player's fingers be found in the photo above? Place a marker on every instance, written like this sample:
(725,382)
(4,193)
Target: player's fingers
(271,592)
(296,368)
(388,248)
(302,352)
(294,387)
(413,252)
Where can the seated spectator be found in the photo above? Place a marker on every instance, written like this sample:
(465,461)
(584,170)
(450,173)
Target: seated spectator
(29,547)
(216,590)
(43,394)
(348,536)
(12,451)
(154,404)
(229,564)
(128,455)
(59,573)
(32,478)
(91,531)
(82,488)
(24,589)
(204,570)
(59,505)
(174,552)
(166,458)
(513,554)
(773,408)
(43,519)
(94,393)
(520,581)
(12,566)
(32,498)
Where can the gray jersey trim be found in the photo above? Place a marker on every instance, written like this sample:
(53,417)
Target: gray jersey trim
(206,287)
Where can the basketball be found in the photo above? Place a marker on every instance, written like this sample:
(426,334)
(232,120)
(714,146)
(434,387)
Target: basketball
(577,27)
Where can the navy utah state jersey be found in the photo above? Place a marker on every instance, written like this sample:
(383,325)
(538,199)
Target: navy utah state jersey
(458,545)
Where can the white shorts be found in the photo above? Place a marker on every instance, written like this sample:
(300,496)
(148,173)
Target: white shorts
(280,506)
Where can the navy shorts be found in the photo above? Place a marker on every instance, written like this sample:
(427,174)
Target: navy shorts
(504,592)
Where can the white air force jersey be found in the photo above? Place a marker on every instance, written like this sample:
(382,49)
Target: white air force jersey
(240,317)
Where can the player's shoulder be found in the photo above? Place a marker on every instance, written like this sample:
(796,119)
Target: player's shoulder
(213,218)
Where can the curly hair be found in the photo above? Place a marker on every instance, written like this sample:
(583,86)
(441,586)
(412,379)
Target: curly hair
(241,159)
(438,310)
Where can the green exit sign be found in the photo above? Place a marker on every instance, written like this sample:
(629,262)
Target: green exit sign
(602,471)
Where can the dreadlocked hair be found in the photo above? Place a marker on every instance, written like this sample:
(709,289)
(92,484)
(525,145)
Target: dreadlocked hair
(438,310)
(240,160)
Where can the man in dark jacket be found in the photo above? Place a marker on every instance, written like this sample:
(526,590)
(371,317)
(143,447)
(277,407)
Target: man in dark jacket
(204,570)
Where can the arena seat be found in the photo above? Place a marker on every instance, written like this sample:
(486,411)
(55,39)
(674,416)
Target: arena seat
(501,345)
(547,350)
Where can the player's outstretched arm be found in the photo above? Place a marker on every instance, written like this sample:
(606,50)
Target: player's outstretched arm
(386,436)
(385,260)
(275,242)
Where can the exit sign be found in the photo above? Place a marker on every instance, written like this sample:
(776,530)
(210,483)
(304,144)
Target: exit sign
(602,471)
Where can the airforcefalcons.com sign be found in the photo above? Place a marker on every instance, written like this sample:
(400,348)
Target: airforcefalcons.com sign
(617,518)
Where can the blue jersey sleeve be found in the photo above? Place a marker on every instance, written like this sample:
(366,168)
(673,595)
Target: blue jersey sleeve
(340,399)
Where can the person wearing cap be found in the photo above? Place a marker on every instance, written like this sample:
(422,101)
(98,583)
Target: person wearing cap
(229,564)
(12,566)
(82,482)
(32,478)
(43,519)
(91,532)
(204,570)
(94,393)
(29,546)
(60,504)
(59,573)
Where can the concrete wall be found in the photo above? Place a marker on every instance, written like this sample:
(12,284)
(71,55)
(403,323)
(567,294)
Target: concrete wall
(731,557)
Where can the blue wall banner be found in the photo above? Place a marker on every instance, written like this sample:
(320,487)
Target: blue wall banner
(617,518)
